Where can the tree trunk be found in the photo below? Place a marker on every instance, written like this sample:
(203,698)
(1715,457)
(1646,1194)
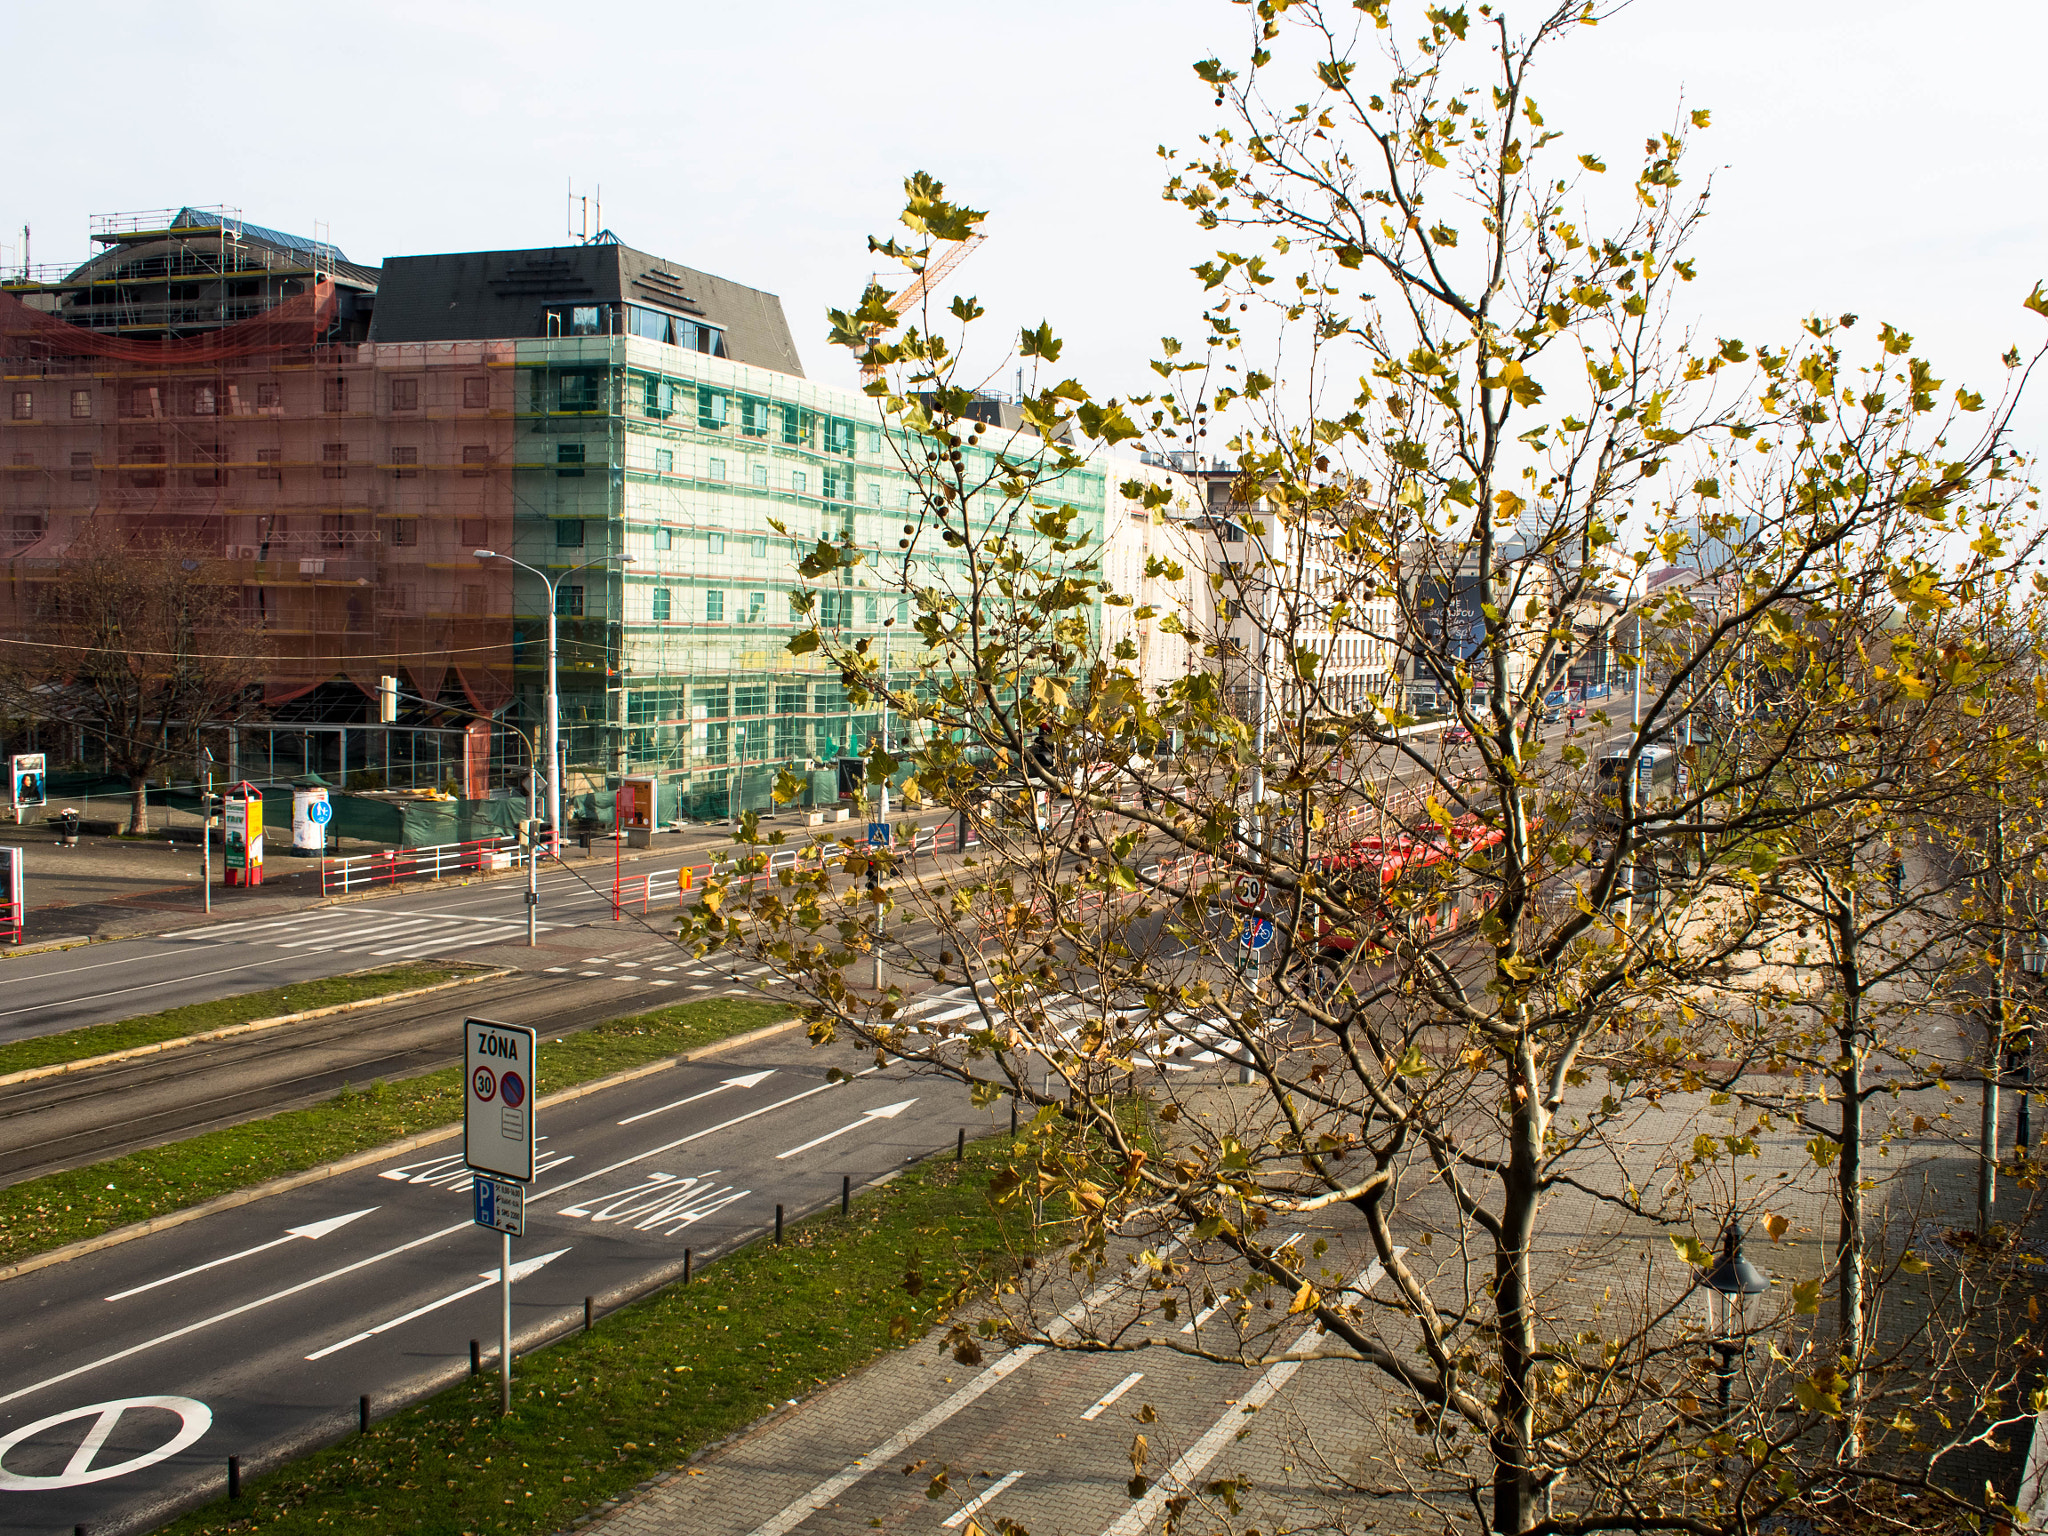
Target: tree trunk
(138,804)
(1513,1443)
(1849,1239)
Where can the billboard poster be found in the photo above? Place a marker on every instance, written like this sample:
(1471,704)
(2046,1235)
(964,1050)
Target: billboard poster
(242,828)
(11,892)
(476,761)
(1452,623)
(30,780)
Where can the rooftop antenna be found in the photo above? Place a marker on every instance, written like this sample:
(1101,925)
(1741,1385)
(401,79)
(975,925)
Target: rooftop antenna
(24,253)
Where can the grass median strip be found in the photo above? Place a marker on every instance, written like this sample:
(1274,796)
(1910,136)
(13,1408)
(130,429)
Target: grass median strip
(40,1214)
(600,1412)
(221,1013)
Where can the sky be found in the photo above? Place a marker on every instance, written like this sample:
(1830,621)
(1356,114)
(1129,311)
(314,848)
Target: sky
(1869,155)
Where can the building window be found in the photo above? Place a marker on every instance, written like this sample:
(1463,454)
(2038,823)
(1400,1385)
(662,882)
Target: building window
(204,401)
(474,531)
(711,409)
(473,600)
(568,533)
(658,399)
(661,601)
(838,484)
(717,542)
(664,538)
(714,607)
(269,398)
(405,531)
(337,394)
(757,607)
(334,461)
(838,436)
(153,456)
(394,599)
(1232,533)
(568,602)
(24,405)
(760,549)
(269,463)
(715,469)
(799,482)
(474,458)
(753,416)
(569,460)
(81,466)
(405,394)
(874,493)
(476,394)
(796,606)
(81,404)
(868,612)
(24,466)
(761,476)
(583,320)
(582,391)
(664,459)
(405,463)
(26,528)
(139,400)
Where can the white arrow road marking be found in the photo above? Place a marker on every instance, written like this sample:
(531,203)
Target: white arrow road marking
(796,1514)
(520,1271)
(751,1080)
(316,1229)
(1187,1471)
(886,1112)
(234,1312)
(1112,1395)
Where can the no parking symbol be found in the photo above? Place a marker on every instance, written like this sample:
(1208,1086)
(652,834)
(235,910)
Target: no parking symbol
(194,1419)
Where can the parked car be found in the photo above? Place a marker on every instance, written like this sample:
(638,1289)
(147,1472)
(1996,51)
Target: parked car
(1457,736)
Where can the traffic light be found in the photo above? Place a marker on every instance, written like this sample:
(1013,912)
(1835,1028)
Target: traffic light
(387,699)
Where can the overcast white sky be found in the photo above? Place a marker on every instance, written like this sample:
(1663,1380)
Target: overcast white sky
(1876,156)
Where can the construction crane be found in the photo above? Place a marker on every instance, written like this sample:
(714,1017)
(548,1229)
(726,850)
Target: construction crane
(954,252)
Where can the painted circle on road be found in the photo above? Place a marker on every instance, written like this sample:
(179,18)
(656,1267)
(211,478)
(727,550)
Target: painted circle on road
(484,1084)
(195,1418)
(513,1089)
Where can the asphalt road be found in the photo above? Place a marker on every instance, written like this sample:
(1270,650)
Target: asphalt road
(131,1375)
(53,1123)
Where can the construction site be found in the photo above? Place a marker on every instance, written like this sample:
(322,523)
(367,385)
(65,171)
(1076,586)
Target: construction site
(341,440)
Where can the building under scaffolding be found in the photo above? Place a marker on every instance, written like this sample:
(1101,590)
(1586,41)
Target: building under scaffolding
(346,438)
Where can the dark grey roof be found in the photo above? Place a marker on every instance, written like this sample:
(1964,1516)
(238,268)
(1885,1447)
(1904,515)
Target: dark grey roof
(199,218)
(493,295)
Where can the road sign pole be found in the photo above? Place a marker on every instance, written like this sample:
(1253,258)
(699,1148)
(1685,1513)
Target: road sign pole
(504,1323)
(206,827)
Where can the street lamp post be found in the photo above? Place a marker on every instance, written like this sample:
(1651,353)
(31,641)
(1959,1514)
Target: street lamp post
(1731,1282)
(554,698)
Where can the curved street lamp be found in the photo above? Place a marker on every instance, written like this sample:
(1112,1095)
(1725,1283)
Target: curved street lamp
(554,705)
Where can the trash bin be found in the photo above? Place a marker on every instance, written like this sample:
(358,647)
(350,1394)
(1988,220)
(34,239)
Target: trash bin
(67,828)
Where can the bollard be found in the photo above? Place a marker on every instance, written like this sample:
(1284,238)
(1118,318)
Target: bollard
(845,1193)
(778,1226)
(363,1414)
(960,1146)
(234,1477)
(589,1313)
(686,1266)
(476,1358)
(1013,1117)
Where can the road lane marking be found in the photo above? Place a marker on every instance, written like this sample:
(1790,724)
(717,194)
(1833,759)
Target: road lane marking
(1112,1395)
(751,1080)
(314,1230)
(960,1516)
(684,1141)
(661,1200)
(1213,1308)
(918,1428)
(234,1312)
(147,986)
(886,1112)
(194,1419)
(520,1271)
(1187,1471)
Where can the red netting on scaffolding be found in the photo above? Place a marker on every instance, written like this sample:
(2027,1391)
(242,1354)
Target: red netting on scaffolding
(298,322)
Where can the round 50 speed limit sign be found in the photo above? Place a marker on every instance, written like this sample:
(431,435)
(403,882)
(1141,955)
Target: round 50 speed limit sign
(1251,890)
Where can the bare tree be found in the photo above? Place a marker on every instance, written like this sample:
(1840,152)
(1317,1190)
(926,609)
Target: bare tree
(139,641)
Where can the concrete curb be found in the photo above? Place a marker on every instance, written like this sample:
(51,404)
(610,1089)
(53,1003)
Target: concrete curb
(290,1181)
(58,1068)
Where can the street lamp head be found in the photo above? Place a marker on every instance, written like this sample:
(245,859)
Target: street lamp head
(485,554)
(1732,1274)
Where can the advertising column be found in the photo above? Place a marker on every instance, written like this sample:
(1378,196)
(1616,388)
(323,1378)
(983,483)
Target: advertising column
(310,812)
(28,779)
